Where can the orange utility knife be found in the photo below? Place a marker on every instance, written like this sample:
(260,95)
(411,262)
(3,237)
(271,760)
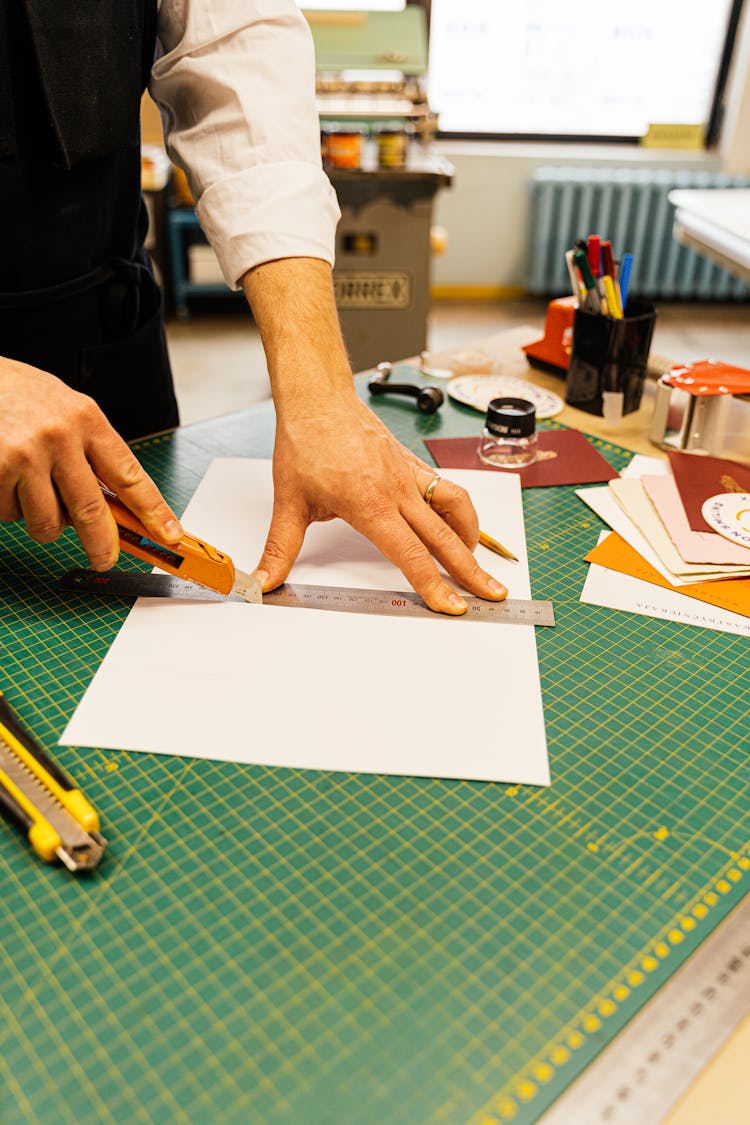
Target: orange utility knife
(191,558)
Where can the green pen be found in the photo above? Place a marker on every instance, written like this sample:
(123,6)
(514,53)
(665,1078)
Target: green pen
(593,303)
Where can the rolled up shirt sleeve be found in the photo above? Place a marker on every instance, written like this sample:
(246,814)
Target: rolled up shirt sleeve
(235,82)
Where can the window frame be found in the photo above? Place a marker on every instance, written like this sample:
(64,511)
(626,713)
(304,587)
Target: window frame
(713,125)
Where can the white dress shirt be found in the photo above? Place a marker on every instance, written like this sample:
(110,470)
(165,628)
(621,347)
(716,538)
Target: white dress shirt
(235,82)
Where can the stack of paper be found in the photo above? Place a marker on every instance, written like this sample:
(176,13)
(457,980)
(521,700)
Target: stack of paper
(655,563)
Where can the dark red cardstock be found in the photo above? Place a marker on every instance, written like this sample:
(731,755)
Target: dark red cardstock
(698,477)
(577,462)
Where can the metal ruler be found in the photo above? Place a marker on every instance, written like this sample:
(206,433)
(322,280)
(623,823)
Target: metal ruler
(640,1076)
(380,603)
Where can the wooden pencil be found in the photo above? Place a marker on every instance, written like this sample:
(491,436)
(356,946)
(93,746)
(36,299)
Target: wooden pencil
(493,545)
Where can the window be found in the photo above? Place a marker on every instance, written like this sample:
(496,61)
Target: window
(579,69)
(352,5)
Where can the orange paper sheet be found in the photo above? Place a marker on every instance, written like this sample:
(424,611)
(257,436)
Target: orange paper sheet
(615,554)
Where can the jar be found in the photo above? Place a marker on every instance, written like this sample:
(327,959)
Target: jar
(508,439)
(393,146)
(342,149)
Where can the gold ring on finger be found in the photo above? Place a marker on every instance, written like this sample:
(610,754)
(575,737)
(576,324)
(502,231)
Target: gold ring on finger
(430,489)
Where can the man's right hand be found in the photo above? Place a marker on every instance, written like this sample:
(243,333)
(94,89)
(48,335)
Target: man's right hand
(55,447)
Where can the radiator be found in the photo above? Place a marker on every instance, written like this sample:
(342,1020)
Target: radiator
(631,208)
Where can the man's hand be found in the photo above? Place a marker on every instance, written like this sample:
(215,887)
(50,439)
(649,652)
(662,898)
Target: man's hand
(333,457)
(55,447)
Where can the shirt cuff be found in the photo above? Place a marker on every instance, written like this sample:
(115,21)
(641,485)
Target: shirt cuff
(285,210)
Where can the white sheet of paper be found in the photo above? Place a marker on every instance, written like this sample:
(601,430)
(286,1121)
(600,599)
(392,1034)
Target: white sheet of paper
(612,590)
(321,690)
(639,465)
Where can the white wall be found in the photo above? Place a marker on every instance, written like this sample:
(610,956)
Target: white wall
(486,211)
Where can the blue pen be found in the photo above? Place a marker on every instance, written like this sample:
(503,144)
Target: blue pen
(624,278)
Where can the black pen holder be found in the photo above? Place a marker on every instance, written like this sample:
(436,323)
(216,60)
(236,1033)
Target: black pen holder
(608,360)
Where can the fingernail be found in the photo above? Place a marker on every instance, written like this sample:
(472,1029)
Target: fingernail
(457,601)
(173,529)
(262,576)
(497,587)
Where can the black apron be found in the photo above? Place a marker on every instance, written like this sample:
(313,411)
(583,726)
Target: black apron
(77,296)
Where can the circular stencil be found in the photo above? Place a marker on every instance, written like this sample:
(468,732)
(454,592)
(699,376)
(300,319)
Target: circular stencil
(729,514)
(479,390)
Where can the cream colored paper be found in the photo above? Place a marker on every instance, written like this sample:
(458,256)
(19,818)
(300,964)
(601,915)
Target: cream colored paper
(602,501)
(320,690)
(633,499)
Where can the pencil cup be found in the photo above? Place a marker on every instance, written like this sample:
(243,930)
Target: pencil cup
(608,361)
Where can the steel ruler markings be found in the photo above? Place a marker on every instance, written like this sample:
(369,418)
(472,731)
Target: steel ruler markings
(644,1071)
(381,603)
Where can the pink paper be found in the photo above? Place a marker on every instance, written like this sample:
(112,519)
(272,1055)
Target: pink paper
(693,546)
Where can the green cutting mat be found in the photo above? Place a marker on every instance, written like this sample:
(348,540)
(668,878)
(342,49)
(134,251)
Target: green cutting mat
(268,945)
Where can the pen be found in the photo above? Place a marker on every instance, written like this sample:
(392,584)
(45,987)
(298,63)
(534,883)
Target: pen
(608,259)
(579,290)
(493,545)
(625,270)
(613,307)
(593,253)
(592,295)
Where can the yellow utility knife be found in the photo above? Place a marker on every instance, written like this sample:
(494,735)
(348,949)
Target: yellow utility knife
(41,800)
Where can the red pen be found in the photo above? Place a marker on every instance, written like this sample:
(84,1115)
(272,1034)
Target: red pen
(608,259)
(593,252)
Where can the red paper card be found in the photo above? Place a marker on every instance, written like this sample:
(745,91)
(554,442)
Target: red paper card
(575,461)
(699,477)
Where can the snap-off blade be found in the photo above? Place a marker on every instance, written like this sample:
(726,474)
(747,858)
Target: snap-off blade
(247,586)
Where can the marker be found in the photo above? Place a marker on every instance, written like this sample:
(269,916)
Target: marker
(624,279)
(592,296)
(613,307)
(579,289)
(608,259)
(593,254)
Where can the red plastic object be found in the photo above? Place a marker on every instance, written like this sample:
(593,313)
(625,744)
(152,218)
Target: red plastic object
(709,377)
(552,352)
